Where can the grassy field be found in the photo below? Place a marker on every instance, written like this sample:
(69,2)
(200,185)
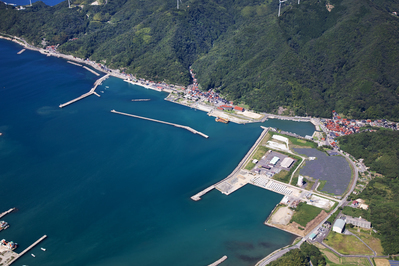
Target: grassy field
(347,244)
(298,143)
(368,237)
(259,152)
(322,183)
(304,213)
(354,212)
(294,180)
(265,139)
(332,217)
(309,185)
(334,260)
(283,176)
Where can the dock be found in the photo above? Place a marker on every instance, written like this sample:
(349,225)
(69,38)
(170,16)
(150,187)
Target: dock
(163,122)
(73,63)
(197,196)
(92,71)
(28,248)
(219,261)
(6,212)
(20,52)
(92,91)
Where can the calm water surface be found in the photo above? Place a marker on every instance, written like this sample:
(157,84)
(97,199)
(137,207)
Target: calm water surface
(114,190)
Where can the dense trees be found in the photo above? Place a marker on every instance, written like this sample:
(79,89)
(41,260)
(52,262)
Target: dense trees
(316,57)
(301,257)
(380,151)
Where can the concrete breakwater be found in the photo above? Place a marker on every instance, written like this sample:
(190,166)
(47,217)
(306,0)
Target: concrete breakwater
(92,91)
(73,63)
(6,212)
(92,71)
(218,261)
(197,196)
(163,122)
(28,248)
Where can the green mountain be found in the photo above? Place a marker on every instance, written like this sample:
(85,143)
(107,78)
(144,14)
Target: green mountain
(318,56)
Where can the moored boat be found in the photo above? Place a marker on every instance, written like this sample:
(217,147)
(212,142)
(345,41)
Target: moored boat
(220,119)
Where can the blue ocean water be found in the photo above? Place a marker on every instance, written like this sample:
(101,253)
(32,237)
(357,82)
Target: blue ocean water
(114,190)
(27,2)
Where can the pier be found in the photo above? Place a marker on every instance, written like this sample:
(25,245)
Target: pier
(197,196)
(163,122)
(6,212)
(20,52)
(73,63)
(28,248)
(92,71)
(219,261)
(92,91)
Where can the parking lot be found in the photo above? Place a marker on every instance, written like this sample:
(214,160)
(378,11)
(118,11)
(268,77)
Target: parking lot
(265,167)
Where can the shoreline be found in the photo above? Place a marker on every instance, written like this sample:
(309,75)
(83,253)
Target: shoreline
(125,77)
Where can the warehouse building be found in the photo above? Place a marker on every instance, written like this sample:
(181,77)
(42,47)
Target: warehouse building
(287,162)
(274,160)
(339,226)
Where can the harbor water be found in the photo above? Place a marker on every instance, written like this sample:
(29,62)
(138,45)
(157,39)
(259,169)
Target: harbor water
(115,190)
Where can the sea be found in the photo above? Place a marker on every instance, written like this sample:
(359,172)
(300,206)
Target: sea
(109,189)
(27,2)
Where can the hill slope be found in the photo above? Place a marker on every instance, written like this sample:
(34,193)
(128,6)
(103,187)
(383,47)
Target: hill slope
(317,56)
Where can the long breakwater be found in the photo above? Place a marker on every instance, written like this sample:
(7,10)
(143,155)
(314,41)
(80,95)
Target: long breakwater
(92,91)
(163,122)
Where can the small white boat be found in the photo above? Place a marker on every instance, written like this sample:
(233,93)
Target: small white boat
(33,255)
(43,249)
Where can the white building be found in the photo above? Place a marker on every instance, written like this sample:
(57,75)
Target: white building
(287,162)
(339,226)
(300,181)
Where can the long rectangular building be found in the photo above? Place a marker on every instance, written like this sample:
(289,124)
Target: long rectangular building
(358,222)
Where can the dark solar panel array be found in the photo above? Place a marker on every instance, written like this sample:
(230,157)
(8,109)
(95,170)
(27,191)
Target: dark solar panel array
(394,262)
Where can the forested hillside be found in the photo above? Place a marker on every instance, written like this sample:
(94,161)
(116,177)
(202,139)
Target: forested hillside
(317,56)
(380,151)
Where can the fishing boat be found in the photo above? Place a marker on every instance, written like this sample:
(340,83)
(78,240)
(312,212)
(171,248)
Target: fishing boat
(223,120)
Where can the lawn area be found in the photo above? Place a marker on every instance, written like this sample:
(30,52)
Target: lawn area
(333,216)
(334,260)
(346,244)
(304,213)
(309,185)
(298,143)
(321,185)
(265,139)
(283,176)
(259,152)
(369,239)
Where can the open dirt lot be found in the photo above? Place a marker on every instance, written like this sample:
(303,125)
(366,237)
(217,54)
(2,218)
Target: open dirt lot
(251,114)
(282,216)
